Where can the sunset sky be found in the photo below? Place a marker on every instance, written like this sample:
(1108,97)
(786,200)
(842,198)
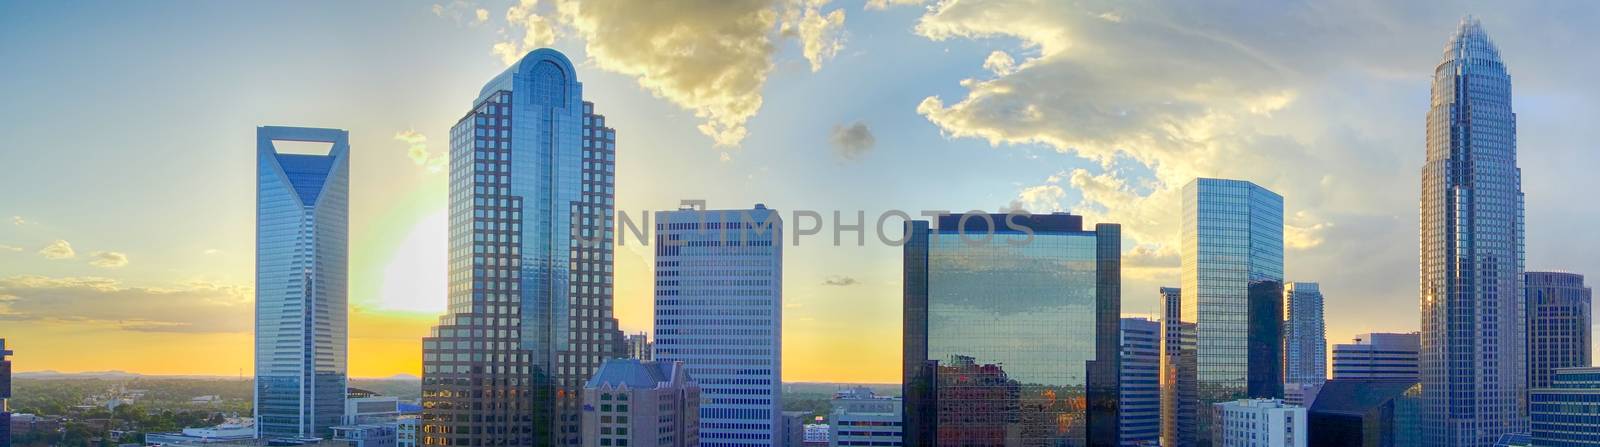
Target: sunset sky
(127,150)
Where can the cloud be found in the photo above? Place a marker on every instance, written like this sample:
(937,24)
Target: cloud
(462,12)
(1153,95)
(711,57)
(821,35)
(59,249)
(840,281)
(18,221)
(4,247)
(885,4)
(211,251)
(196,307)
(418,151)
(108,259)
(1045,198)
(853,141)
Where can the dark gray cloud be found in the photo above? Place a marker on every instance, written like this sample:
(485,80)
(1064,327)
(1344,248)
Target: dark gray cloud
(840,281)
(192,308)
(853,141)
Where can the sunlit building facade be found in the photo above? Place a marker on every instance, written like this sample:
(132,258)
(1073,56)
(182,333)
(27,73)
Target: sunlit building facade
(1473,336)
(302,270)
(1232,275)
(1559,324)
(1179,398)
(1305,339)
(1011,331)
(530,262)
(719,311)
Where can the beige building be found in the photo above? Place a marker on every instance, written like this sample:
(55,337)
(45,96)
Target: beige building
(636,403)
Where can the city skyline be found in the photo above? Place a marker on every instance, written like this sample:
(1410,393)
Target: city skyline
(179,233)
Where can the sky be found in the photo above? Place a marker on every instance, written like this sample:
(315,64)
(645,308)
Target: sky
(127,156)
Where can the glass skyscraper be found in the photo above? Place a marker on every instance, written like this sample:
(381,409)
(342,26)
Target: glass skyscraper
(1233,291)
(302,252)
(1473,335)
(1305,340)
(1139,409)
(1179,401)
(1559,324)
(530,263)
(719,310)
(1011,331)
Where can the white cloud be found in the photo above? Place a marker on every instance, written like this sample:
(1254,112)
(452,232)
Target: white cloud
(709,57)
(885,4)
(18,220)
(1158,94)
(108,259)
(417,150)
(821,34)
(58,249)
(190,307)
(4,247)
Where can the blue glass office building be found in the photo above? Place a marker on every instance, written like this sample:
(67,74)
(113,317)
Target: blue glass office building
(1232,276)
(1473,334)
(530,260)
(1011,339)
(1140,383)
(1560,331)
(719,310)
(1567,413)
(302,251)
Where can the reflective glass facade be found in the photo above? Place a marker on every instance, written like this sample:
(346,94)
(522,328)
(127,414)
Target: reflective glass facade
(1305,340)
(1567,413)
(1011,341)
(1140,383)
(529,320)
(1559,324)
(302,251)
(1179,398)
(719,310)
(1473,334)
(1232,278)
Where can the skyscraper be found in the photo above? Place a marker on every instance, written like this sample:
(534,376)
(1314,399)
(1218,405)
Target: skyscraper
(1473,339)
(719,310)
(1179,401)
(302,252)
(529,316)
(5,394)
(1139,406)
(1232,277)
(1305,340)
(1559,318)
(1011,331)
(1379,356)
(639,346)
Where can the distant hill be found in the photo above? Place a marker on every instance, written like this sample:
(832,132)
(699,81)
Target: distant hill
(107,375)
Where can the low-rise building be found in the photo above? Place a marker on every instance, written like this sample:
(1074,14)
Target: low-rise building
(1259,423)
(816,435)
(1371,413)
(1567,413)
(861,418)
(641,403)
(231,430)
(368,435)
